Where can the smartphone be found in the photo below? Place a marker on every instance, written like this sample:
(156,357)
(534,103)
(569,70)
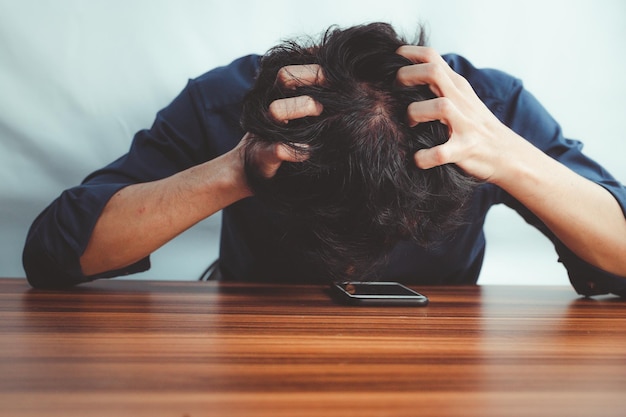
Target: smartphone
(376,293)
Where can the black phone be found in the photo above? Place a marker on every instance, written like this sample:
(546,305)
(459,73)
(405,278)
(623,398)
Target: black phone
(376,293)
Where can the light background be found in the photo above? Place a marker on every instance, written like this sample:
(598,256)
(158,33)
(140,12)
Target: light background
(79,78)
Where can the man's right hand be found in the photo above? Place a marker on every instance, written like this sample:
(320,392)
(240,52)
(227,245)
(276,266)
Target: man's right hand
(268,157)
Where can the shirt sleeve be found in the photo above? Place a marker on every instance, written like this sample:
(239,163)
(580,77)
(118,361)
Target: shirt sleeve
(59,235)
(525,115)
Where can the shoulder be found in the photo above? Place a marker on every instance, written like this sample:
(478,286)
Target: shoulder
(488,83)
(225,85)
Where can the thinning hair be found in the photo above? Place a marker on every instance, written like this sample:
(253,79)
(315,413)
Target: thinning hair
(359,192)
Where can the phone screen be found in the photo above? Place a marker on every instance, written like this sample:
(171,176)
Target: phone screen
(379,293)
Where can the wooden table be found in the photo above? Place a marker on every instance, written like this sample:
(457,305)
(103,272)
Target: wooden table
(141,348)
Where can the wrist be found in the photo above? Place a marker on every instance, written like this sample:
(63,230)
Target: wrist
(530,175)
(518,160)
(226,175)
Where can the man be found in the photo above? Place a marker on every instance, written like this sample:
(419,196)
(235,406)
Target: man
(469,138)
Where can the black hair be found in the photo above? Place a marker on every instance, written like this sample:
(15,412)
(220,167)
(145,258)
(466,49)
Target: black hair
(359,192)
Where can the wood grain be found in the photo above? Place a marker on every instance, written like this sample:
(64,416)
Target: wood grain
(147,348)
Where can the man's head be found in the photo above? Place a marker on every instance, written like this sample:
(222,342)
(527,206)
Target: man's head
(359,191)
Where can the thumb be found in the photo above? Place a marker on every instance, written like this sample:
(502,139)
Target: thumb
(278,153)
(296,153)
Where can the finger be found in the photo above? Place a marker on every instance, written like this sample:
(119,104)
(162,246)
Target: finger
(441,109)
(432,74)
(296,153)
(273,155)
(292,76)
(422,54)
(285,109)
(435,156)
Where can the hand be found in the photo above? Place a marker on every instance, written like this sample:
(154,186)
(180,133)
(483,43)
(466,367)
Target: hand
(478,141)
(268,157)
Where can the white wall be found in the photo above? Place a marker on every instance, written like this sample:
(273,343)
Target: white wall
(78,78)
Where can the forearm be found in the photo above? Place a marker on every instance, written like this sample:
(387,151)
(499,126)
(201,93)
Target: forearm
(582,214)
(140,218)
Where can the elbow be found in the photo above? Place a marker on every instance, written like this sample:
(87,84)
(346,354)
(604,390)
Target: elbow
(43,271)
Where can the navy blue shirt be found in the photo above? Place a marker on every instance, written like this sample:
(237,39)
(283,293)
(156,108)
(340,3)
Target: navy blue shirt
(203,123)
